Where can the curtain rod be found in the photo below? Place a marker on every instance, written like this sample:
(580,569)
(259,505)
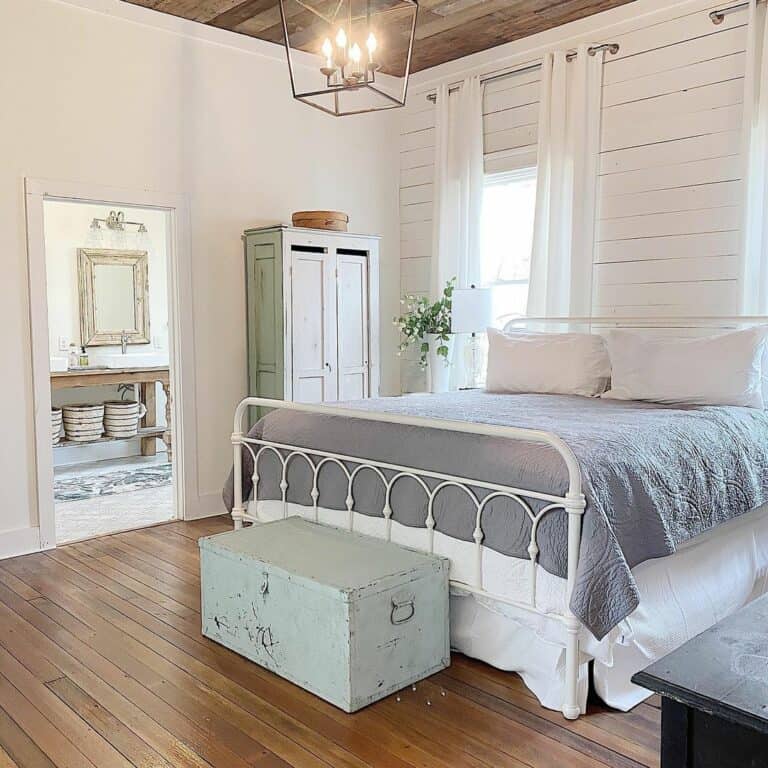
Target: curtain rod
(612,48)
(718,16)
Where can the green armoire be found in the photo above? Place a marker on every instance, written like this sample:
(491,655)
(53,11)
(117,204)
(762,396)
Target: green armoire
(313,314)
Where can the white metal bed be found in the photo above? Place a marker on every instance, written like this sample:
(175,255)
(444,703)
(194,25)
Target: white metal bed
(573,502)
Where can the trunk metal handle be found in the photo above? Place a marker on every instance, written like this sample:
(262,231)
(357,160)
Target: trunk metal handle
(399,605)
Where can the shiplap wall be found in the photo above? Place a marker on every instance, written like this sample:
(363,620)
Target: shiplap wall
(668,215)
(510,118)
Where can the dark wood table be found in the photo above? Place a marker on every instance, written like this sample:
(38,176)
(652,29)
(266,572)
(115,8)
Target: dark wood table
(714,688)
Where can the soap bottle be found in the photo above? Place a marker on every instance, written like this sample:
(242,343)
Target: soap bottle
(83,359)
(74,357)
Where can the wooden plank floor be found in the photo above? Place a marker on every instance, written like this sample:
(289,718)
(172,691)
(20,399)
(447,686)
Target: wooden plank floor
(102,665)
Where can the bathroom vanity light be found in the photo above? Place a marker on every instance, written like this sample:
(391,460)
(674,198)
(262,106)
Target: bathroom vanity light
(117,225)
(116,220)
(362,49)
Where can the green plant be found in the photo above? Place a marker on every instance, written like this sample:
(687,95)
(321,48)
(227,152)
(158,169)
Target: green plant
(422,317)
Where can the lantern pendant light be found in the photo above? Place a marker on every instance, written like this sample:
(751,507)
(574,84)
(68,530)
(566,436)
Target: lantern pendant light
(348,57)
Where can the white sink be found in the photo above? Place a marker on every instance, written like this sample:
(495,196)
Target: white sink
(128,360)
(59,364)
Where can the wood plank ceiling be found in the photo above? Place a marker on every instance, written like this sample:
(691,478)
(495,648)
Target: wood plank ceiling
(445,29)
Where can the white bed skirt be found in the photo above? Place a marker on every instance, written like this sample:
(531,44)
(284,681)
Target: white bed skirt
(681,595)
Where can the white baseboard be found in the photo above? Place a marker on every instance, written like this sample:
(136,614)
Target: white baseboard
(22,541)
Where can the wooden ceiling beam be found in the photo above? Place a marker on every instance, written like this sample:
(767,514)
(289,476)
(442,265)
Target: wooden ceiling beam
(497,29)
(440,24)
(304,26)
(261,21)
(241,12)
(308,36)
(446,29)
(194,10)
(145,3)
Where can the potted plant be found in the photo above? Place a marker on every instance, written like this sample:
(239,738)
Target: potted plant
(428,324)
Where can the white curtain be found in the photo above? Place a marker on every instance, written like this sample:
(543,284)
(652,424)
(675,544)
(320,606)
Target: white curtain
(754,242)
(458,196)
(566,186)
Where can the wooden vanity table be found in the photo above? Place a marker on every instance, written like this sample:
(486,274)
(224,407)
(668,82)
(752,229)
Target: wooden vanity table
(146,378)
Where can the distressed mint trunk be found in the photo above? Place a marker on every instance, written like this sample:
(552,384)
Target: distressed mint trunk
(348,617)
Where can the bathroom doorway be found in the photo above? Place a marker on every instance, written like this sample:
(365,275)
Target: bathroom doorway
(105,295)
(109,347)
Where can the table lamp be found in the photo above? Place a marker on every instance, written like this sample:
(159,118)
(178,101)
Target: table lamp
(472,312)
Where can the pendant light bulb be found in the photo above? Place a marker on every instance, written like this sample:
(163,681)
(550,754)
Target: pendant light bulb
(341,38)
(355,53)
(371,43)
(327,49)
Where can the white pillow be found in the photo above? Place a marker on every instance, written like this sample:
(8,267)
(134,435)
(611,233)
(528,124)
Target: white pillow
(716,370)
(550,363)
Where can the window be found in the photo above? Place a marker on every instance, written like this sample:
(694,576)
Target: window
(509,202)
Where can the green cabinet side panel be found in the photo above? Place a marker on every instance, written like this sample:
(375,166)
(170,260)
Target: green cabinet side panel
(264,300)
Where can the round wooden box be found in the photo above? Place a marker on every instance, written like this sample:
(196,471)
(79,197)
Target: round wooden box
(335,221)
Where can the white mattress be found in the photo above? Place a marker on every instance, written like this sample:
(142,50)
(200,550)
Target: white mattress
(681,595)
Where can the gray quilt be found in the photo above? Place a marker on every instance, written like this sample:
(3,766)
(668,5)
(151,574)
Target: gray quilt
(654,476)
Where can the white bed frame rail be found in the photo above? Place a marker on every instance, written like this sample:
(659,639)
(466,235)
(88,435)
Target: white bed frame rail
(573,502)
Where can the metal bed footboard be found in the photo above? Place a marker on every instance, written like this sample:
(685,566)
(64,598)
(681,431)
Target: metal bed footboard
(573,502)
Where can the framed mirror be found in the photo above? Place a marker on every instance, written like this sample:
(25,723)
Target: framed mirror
(114,296)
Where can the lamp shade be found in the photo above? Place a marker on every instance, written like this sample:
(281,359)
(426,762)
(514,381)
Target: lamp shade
(471,310)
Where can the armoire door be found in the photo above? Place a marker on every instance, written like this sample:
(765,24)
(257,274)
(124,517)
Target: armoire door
(313,324)
(353,331)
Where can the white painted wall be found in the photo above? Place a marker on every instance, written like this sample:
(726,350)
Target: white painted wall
(132,99)
(670,167)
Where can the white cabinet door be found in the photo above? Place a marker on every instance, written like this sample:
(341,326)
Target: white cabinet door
(313,324)
(352,302)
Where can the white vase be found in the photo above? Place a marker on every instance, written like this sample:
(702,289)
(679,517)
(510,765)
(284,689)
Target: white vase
(438,367)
